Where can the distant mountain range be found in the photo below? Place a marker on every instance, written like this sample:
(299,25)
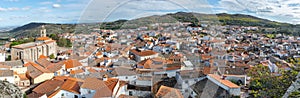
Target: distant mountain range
(32,29)
(8,28)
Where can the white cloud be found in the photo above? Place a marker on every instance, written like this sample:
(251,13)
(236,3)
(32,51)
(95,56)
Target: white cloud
(26,8)
(129,9)
(9,9)
(41,10)
(13,9)
(2,9)
(56,5)
(46,3)
(280,10)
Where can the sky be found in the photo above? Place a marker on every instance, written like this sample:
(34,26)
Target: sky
(20,12)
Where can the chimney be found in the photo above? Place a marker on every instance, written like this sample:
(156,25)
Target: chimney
(223,77)
(105,77)
(233,66)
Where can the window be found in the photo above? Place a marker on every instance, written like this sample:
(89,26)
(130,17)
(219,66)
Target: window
(186,90)
(16,76)
(195,79)
(130,93)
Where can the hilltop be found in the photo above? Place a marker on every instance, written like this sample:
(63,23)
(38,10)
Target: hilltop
(32,29)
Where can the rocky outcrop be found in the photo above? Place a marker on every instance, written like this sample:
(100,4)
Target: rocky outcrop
(9,90)
(294,86)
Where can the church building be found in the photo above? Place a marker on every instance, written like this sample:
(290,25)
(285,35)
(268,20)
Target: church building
(43,45)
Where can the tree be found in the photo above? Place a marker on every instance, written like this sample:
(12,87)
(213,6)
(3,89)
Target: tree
(8,58)
(263,83)
(54,36)
(62,42)
(52,56)
(22,41)
(295,94)
(69,43)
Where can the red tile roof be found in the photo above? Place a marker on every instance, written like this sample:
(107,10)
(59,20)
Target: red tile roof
(53,67)
(48,86)
(71,63)
(152,63)
(168,92)
(222,81)
(72,85)
(5,66)
(92,70)
(93,83)
(43,38)
(34,70)
(143,53)
(77,71)
(103,88)
(126,96)
(23,77)
(44,62)
(43,57)
(111,83)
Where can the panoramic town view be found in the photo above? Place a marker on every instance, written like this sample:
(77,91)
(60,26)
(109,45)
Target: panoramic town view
(149,48)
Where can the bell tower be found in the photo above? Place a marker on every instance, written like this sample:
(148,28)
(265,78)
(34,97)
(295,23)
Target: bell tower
(43,31)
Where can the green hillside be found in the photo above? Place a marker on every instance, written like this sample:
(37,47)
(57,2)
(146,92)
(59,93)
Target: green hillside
(32,29)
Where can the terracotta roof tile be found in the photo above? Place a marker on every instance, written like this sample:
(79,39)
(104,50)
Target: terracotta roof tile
(43,57)
(207,70)
(5,73)
(93,83)
(143,53)
(77,71)
(34,70)
(111,83)
(71,63)
(53,67)
(43,38)
(61,78)
(126,96)
(120,71)
(72,85)
(48,86)
(224,82)
(205,57)
(152,63)
(168,92)
(103,88)
(43,61)
(92,70)
(104,92)
(23,77)
(2,66)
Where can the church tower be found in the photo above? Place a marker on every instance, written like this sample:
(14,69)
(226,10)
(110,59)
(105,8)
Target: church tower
(43,31)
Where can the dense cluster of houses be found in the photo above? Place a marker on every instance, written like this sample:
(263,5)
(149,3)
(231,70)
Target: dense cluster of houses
(185,62)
